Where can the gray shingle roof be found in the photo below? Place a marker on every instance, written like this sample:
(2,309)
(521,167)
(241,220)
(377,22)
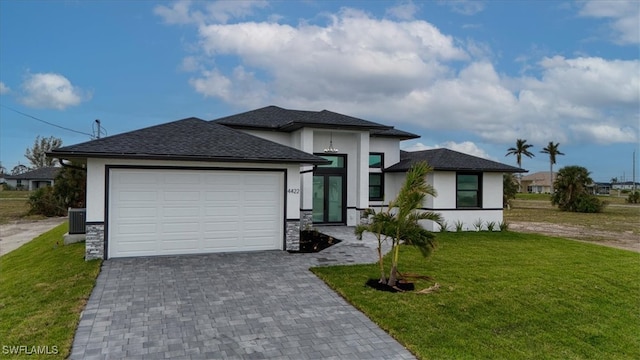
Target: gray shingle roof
(394,133)
(449,160)
(277,118)
(45,173)
(187,139)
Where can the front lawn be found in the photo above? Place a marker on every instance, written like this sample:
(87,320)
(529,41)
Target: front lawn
(507,296)
(43,288)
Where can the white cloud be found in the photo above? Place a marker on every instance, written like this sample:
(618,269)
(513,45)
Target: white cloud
(465,7)
(466,147)
(50,90)
(4,89)
(607,133)
(624,16)
(181,11)
(404,11)
(410,73)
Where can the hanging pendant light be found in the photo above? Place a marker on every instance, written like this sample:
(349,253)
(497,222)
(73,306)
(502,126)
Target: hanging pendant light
(331,149)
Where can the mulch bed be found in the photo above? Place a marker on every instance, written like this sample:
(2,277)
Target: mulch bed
(401,286)
(312,241)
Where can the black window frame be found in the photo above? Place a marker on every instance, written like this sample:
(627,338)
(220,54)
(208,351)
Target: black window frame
(377,171)
(478,191)
(380,187)
(381,160)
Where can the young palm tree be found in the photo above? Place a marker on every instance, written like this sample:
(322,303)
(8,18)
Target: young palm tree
(522,148)
(401,220)
(552,150)
(572,183)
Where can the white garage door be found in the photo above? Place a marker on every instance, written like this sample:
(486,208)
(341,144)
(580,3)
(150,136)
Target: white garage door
(165,212)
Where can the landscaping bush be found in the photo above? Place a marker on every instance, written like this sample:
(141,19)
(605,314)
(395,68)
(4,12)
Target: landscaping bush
(634,197)
(589,204)
(43,201)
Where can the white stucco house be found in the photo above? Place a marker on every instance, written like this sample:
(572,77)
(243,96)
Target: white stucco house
(252,181)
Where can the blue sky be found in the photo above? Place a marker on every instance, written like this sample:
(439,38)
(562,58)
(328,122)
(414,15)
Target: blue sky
(469,75)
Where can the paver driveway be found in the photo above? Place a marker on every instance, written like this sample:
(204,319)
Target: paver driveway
(259,305)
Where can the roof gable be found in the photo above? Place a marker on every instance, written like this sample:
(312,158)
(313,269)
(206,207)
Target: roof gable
(187,139)
(449,160)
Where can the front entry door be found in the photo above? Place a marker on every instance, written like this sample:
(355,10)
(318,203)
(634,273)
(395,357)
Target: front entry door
(329,191)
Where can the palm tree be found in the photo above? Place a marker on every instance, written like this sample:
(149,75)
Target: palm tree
(552,150)
(400,222)
(571,184)
(522,148)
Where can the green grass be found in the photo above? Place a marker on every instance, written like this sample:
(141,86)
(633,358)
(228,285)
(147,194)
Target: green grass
(43,288)
(526,196)
(14,206)
(507,296)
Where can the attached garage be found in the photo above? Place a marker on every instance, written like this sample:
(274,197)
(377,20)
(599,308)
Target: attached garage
(189,187)
(190,211)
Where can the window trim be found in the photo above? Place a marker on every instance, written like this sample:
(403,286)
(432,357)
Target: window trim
(381,186)
(381,160)
(478,191)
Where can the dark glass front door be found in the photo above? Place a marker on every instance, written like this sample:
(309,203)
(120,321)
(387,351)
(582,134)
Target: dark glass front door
(329,196)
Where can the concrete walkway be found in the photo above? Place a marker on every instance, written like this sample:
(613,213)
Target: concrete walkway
(258,305)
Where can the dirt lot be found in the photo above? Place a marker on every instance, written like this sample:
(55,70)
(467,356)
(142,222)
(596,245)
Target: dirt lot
(622,240)
(18,232)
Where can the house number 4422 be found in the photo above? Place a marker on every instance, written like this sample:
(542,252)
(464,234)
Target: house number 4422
(293,191)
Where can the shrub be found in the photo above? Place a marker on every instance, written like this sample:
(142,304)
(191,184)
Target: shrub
(44,202)
(634,197)
(491,225)
(504,226)
(478,224)
(444,226)
(459,225)
(589,204)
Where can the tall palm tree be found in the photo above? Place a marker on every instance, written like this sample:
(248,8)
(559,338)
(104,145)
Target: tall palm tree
(552,150)
(522,148)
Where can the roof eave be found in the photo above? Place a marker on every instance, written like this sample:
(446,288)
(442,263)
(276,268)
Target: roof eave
(78,155)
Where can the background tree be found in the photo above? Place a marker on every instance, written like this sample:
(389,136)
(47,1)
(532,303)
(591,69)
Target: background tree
(37,155)
(572,191)
(522,148)
(3,170)
(552,150)
(69,190)
(19,169)
(509,189)
(70,186)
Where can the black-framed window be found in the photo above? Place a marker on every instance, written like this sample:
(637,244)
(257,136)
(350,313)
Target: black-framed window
(469,190)
(376,160)
(376,186)
(376,177)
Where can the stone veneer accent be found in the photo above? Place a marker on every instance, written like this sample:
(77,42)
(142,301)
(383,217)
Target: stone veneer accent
(293,235)
(306,219)
(94,244)
(363,219)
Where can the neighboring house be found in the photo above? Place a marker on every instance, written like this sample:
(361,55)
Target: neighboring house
(625,185)
(600,188)
(252,181)
(537,183)
(33,179)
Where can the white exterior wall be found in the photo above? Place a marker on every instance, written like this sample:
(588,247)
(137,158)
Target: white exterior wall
(389,146)
(96,181)
(275,136)
(445,202)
